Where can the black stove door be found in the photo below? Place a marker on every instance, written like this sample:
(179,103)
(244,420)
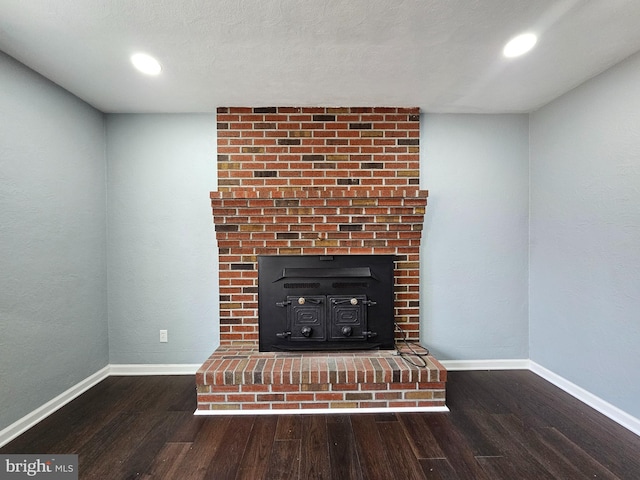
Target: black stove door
(347,317)
(306,318)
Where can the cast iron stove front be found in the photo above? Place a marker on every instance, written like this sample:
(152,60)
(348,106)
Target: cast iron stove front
(318,302)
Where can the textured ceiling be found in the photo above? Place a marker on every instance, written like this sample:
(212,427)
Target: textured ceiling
(439,55)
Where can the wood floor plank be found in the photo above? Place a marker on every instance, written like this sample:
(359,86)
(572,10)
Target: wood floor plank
(402,460)
(255,460)
(144,450)
(314,448)
(585,464)
(455,447)
(421,440)
(462,394)
(343,457)
(549,456)
(370,447)
(513,451)
(120,439)
(289,427)
(509,388)
(167,462)
(139,400)
(477,390)
(284,460)
(184,399)
(480,444)
(386,417)
(226,461)
(196,462)
(500,467)
(438,469)
(188,431)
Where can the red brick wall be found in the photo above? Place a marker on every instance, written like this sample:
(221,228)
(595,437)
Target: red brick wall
(315,181)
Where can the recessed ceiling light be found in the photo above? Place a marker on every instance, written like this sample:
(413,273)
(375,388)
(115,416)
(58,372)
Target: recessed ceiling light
(519,45)
(146,63)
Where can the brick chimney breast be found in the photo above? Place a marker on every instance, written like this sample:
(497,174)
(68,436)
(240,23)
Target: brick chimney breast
(315,181)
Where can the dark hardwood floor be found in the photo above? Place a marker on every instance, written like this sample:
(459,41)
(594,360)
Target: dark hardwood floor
(502,425)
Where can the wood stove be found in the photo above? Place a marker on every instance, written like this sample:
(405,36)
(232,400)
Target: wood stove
(325,302)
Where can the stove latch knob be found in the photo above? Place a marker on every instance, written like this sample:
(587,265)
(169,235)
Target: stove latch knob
(301,301)
(354,301)
(346,331)
(306,331)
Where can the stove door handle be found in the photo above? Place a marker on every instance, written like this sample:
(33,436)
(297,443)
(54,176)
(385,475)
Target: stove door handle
(352,301)
(313,301)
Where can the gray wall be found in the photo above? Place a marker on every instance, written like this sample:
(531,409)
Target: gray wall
(475,240)
(163,267)
(585,236)
(53,310)
(161,242)
(584,264)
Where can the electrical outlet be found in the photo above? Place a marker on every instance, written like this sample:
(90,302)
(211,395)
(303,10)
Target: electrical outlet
(164,336)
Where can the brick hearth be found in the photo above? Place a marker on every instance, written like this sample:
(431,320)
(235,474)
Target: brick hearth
(315,181)
(242,379)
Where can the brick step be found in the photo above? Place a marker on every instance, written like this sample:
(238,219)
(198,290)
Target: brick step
(237,378)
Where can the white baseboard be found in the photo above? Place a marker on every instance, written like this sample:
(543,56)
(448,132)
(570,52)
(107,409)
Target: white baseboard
(614,413)
(310,411)
(461,365)
(53,405)
(153,369)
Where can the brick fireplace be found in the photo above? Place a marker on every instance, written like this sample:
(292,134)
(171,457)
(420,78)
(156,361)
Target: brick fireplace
(315,181)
